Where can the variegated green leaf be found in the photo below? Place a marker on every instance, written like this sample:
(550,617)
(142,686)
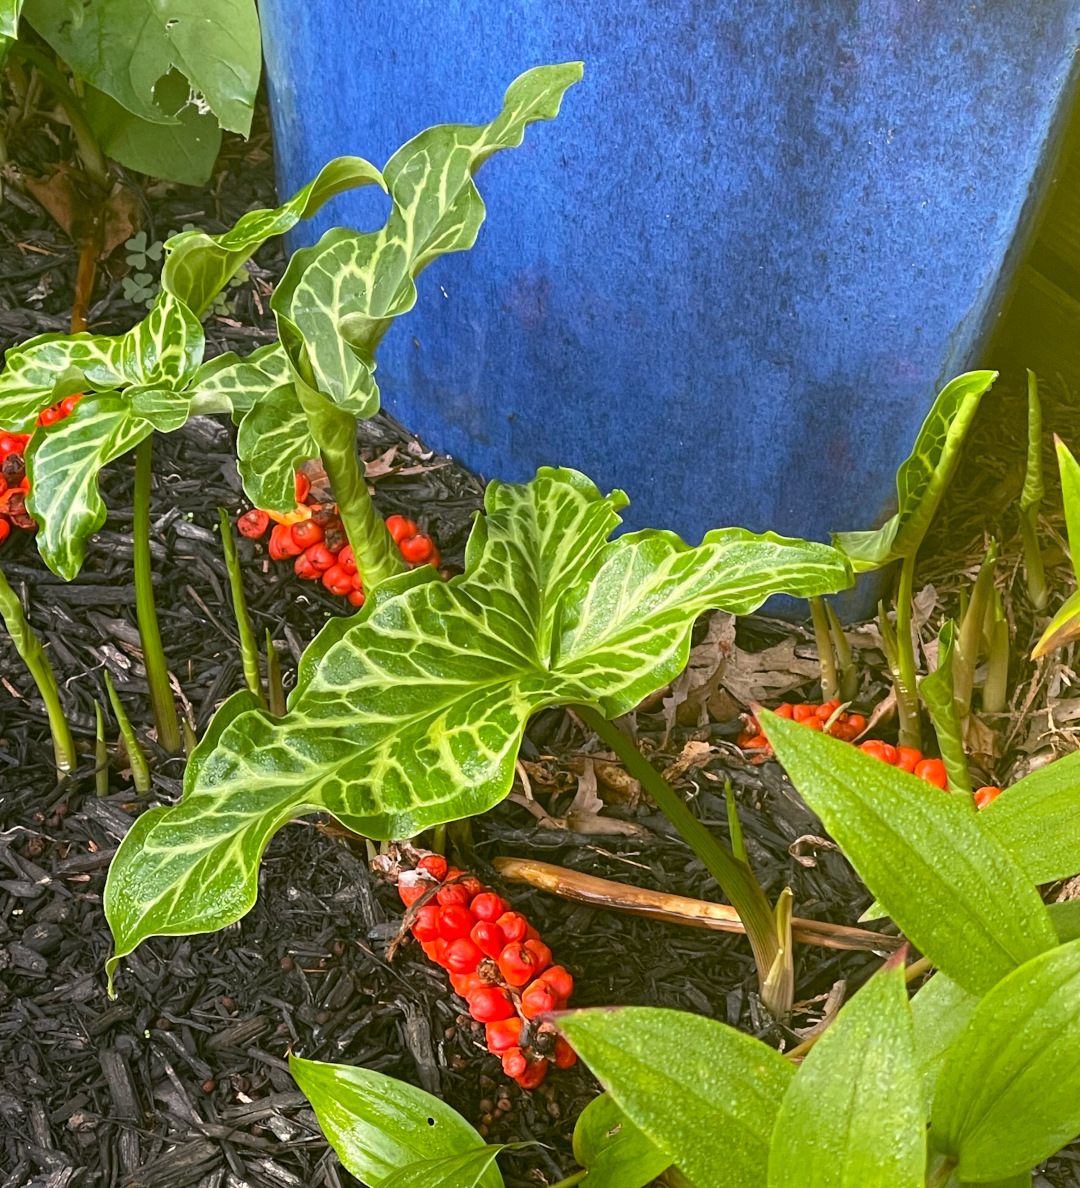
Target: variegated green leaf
(923,478)
(198,266)
(229,384)
(272,441)
(165,347)
(38,371)
(162,351)
(358,283)
(63,462)
(411,713)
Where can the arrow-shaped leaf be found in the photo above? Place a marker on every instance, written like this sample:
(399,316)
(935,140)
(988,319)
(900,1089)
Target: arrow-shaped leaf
(923,477)
(63,462)
(411,713)
(378,1124)
(358,283)
(229,384)
(272,442)
(949,885)
(33,371)
(198,266)
(164,348)
(854,1112)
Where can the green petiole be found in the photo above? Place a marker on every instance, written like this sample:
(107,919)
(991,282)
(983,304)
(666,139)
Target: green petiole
(29,648)
(249,649)
(140,769)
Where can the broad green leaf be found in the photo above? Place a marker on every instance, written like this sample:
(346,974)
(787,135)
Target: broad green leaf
(229,384)
(63,462)
(1063,628)
(377,1124)
(950,886)
(411,712)
(182,152)
(937,692)
(1021,1180)
(705,1094)
(939,1012)
(342,294)
(198,266)
(1038,820)
(125,47)
(1009,1094)
(451,1171)
(34,370)
(853,1115)
(616,1153)
(272,441)
(923,478)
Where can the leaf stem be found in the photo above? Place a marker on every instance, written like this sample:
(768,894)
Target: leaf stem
(249,649)
(904,677)
(1033,560)
(275,688)
(938,1175)
(101,753)
(830,684)
(334,431)
(735,878)
(157,669)
(140,769)
(29,648)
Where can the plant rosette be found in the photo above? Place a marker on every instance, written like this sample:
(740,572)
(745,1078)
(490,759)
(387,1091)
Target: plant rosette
(496,961)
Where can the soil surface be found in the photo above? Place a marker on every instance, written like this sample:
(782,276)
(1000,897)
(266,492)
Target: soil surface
(182,1080)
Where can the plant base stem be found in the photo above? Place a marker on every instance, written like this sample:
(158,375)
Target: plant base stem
(905,680)
(736,879)
(157,668)
(830,683)
(29,648)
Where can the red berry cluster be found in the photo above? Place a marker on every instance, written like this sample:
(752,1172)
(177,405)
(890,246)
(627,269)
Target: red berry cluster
(848,727)
(315,538)
(497,963)
(14,485)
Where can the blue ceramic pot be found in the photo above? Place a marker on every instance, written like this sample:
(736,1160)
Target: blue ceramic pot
(732,275)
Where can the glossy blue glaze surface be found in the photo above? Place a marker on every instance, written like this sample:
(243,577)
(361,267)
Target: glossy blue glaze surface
(731,276)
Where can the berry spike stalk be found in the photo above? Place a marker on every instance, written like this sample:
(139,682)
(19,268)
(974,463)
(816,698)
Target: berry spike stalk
(736,879)
(157,668)
(496,961)
(29,648)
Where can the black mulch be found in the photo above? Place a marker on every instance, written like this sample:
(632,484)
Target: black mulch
(182,1080)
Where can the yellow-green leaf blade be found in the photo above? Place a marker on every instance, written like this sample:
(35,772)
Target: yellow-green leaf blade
(950,886)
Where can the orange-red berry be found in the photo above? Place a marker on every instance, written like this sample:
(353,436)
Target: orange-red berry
(933,772)
(983,796)
(455,920)
(435,865)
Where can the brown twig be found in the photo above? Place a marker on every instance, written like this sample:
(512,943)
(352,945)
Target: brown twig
(678,909)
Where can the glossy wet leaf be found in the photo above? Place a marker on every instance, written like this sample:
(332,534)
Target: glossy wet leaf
(1063,628)
(63,462)
(378,1125)
(342,294)
(616,1153)
(853,1116)
(411,712)
(9,18)
(923,477)
(198,266)
(33,371)
(124,47)
(1009,1094)
(451,1171)
(234,385)
(1037,820)
(939,1012)
(952,888)
(272,441)
(704,1093)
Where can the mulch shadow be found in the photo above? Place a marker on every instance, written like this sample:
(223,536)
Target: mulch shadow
(182,1079)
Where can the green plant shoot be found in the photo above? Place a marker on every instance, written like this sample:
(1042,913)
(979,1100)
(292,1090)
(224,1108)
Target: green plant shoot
(1030,500)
